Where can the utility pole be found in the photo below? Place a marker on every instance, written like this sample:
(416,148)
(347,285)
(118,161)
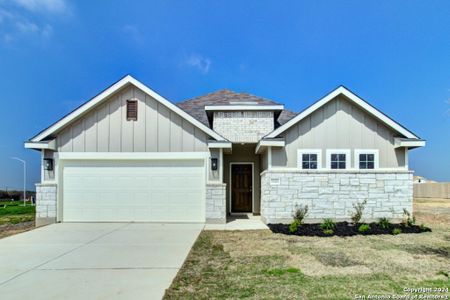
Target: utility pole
(24,179)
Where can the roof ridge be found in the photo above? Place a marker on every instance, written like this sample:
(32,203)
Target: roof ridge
(229,93)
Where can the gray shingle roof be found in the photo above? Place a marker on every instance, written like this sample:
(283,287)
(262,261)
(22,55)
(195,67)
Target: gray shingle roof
(196,106)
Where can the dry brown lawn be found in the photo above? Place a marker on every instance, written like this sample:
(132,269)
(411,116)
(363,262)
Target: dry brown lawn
(262,265)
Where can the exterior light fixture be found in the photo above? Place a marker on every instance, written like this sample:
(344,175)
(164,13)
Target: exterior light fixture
(214,164)
(48,164)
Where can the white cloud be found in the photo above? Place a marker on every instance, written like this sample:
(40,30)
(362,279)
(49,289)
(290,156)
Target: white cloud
(27,27)
(200,62)
(29,17)
(50,6)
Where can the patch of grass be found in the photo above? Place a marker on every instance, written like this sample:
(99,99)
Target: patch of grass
(258,264)
(280,272)
(335,259)
(444,273)
(15,212)
(427,250)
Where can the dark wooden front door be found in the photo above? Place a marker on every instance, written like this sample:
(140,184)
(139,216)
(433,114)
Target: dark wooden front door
(241,188)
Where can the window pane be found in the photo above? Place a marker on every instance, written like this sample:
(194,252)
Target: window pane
(334,165)
(305,157)
(362,157)
(370,157)
(342,165)
(362,165)
(370,165)
(342,157)
(313,165)
(305,165)
(334,157)
(313,157)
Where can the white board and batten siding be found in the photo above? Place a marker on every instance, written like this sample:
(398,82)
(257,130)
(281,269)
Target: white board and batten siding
(163,188)
(339,124)
(106,129)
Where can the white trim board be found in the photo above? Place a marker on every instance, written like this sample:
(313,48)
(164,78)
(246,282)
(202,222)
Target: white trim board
(242,107)
(131,155)
(269,143)
(49,145)
(219,145)
(111,90)
(231,185)
(399,142)
(354,98)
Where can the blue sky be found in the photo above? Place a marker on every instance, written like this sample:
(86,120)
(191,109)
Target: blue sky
(56,54)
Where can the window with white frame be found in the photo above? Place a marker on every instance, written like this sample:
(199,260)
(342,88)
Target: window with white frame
(338,159)
(366,159)
(309,159)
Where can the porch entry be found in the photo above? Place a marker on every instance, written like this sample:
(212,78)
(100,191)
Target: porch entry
(241,187)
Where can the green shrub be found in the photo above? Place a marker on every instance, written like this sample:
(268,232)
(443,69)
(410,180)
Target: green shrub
(364,228)
(424,228)
(359,209)
(300,213)
(384,223)
(327,224)
(328,231)
(407,219)
(396,231)
(293,227)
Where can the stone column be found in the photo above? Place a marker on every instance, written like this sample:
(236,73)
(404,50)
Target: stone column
(45,204)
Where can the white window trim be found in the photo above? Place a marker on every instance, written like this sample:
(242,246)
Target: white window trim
(300,153)
(347,153)
(376,154)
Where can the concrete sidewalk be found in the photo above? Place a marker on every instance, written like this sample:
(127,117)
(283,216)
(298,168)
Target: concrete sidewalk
(94,260)
(242,222)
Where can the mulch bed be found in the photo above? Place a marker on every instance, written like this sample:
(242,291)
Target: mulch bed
(345,229)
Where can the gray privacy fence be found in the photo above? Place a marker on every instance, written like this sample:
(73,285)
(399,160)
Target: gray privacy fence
(432,190)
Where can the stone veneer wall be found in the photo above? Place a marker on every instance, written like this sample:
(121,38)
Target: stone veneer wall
(216,203)
(45,204)
(332,194)
(243,126)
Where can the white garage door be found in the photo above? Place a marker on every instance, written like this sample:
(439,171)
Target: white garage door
(155,191)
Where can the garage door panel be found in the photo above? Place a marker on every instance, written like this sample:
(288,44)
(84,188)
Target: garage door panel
(168,191)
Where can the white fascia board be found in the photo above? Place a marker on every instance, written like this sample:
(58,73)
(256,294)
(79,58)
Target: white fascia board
(399,142)
(219,144)
(131,155)
(243,107)
(47,145)
(108,92)
(265,143)
(354,98)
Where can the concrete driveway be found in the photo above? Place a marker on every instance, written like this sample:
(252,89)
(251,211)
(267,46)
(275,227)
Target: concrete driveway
(94,260)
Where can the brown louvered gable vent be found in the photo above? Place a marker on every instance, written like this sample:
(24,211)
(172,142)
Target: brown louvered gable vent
(132,110)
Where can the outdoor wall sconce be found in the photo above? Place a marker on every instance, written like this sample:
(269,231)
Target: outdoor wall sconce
(48,164)
(214,165)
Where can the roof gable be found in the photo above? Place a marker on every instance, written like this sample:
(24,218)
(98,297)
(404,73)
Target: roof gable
(353,98)
(196,106)
(72,116)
